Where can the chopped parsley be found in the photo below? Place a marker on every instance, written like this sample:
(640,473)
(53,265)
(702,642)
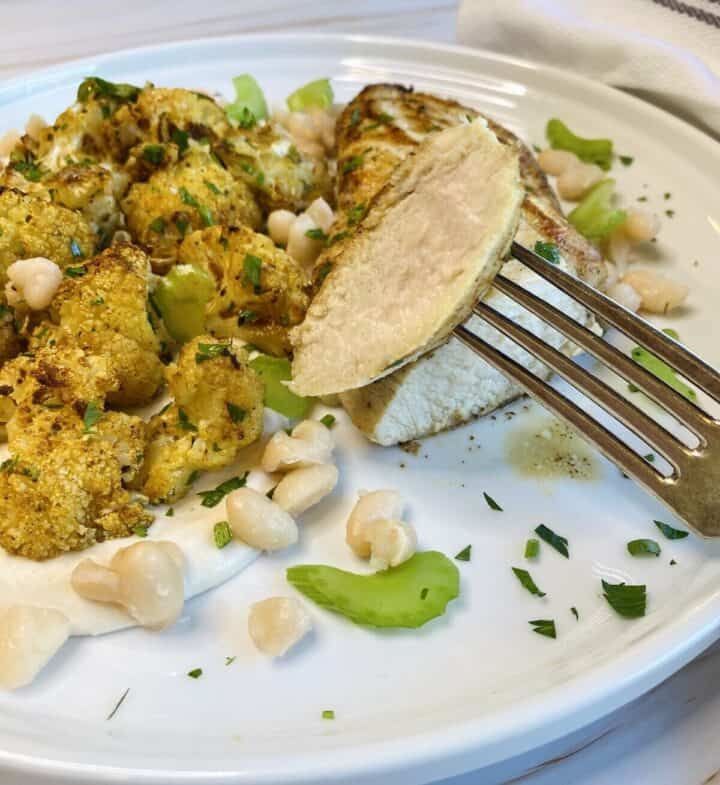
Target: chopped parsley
(328,420)
(158,225)
(194,474)
(548,251)
(464,554)
(140,531)
(25,164)
(323,271)
(356,213)
(555,540)
(180,138)
(544,627)
(524,577)
(229,660)
(316,234)
(99,300)
(153,153)
(213,497)
(207,351)
(252,268)
(328,714)
(355,117)
(181,225)
(532,548)
(643,547)
(670,213)
(575,613)
(195,673)
(351,164)
(75,272)
(237,414)
(491,503)
(670,532)
(626,160)
(75,249)
(424,593)
(170,512)
(336,238)
(650,458)
(247,317)
(222,534)
(627,600)
(187,197)
(92,416)
(184,421)
(94,86)
(206,215)
(211,187)
(118,705)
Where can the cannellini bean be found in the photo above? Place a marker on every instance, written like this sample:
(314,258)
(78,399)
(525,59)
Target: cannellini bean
(301,126)
(303,249)
(322,214)
(283,453)
(277,624)
(612,274)
(34,126)
(29,637)
(618,249)
(625,295)
(392,542)
(145,578)
(575,181)
(259,522)
(301,489)
(33,280)
(640,225)
(279,223)
(658,294)
(555,162)
(315,432)
(8,142)
(370,507)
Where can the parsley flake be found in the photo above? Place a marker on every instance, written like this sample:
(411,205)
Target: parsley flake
(491,503)
(549,251)
(252,267)
(351,164)
(643,547)
(140,531)
(544,627)
(356,214)
(208,351)
(237,414)
(213,497)
(528,583)
(555,540)
(575,613)
(626,160)
(184,421)
(187,197)
(211,187)
(464,554)
(195,673)
(158,225)
(153,153)
(180,138)
(316,234)
(670,532)
(92,416)
(627,600)
(75,272)
(328,420)
(229,660)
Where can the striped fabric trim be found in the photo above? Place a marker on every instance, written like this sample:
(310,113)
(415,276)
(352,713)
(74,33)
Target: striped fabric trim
(698,14)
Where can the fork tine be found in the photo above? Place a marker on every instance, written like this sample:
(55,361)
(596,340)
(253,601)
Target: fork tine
(608,444)
(683,361)
(635,419)
(686,411)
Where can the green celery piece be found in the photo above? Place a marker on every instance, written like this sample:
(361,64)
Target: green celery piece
(405,596)
(592,151)
(181,297)
(595,216)
(274,371)
(317,94)
(248,95)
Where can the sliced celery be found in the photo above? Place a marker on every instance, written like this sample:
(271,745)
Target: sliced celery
(274,371)
(592,151)
(317,94)
(595,217)
(249,105)
(181,297)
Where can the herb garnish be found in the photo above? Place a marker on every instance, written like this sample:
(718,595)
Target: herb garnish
(626,160)
(184,421)
(555,540)
(629,601)
(118,705)
(643,547)
(94,86)
(524,577)
(180,138)
(194,474)
(424,593)
(354,117)
(207,351)
(206,215)
(544,627)
(158,225)
(252,267)
(464,554)
(356,214)
(170,512)
(92,415)
(316,234)
(548,251)
(575,613)
(195,673)
(532,548)
(237,414)
(491,503)
(222,534)
(323,271)
(670,532)
(153,153)
(187,197)
(211,187)
(213,497)
(140,531)
(229,660)
(352,163)
(75,272)
(247,317)
(328,420)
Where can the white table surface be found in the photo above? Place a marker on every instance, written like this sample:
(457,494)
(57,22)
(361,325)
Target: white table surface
(667,737)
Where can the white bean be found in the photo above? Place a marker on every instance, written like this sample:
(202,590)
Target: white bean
(303,249)
(392,542)
(640,225)
(35,125)
(279,223)
(555,162)
(625,295)
(95,581)
(8,142)
(29,638)
(658,294)
(370,507)
(301,489)
(575,181)
(35,281)
(321,213)
(301,126)
(259,522)
(283,453)
(277,624)
(315,432)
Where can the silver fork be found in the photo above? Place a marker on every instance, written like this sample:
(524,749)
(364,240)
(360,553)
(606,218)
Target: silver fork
(692,490)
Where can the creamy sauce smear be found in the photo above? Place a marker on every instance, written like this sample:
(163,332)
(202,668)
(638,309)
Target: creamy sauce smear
(546,448)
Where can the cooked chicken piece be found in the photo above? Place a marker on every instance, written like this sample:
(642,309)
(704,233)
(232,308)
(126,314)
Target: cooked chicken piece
(62,488)
(429,245)
(191,194)
(216,411)
(259,290)
(279,174)
(103,310)
(30,226)
(451,384)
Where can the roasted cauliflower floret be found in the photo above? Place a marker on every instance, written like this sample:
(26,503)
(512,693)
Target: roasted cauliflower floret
(61,490)
(11,342)
(216,411)
(30,226)
(193,193)
(280,176)
(259,290)
(104,311)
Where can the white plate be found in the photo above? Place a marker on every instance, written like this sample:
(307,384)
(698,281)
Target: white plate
(476,686)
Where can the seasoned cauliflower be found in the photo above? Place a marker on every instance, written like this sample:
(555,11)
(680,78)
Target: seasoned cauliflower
(217,410)
(259,290)
(190,194)
(279,174)
(30,227)
(11,342)
(61,490)
(103,309)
